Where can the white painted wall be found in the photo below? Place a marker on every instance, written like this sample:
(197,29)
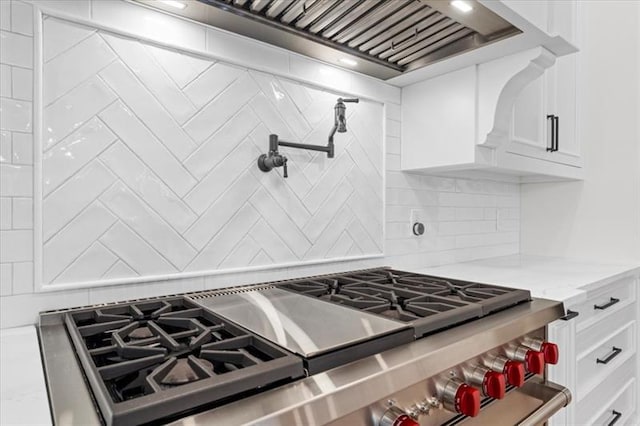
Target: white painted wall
(465,219)
(599,218)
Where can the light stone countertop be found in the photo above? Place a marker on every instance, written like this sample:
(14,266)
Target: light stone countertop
(23,394)
(566,280)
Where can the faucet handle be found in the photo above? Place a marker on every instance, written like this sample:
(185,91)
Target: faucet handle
(284,167)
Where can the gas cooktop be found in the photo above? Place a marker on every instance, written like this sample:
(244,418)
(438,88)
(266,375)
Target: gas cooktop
(160,359)
(148,360)
(427,303)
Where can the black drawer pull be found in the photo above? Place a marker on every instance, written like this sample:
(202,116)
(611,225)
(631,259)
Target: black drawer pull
(609,304)
(553,132)
(616,417)
(557,119)
(570,315)
(614,353)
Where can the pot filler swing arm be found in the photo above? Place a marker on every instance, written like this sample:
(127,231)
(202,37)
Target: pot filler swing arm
(267,162)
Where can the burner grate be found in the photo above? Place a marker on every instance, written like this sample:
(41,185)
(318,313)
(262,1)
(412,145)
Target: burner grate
(428,303)
(149,360)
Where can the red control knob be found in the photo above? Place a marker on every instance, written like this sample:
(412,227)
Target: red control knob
(514,371)
(467,400)
(405,420)
(494,384)
(395,416)
(534,362)
(551,352)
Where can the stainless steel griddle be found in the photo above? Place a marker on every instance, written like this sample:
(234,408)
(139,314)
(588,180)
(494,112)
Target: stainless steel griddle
(325,335)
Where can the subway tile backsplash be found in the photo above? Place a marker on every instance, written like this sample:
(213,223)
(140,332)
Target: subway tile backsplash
(464,219)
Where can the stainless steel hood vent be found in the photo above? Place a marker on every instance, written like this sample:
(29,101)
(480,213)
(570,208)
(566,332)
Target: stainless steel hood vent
(385,38)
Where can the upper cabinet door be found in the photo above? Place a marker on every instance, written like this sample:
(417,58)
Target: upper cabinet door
(545,113)
(546,105)
(564,106)
(528,125)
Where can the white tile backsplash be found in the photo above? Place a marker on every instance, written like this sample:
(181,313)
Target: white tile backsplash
(74,109)
(78,8)
(135,156)
(6,279)
(22,277)
(62,35)
(21,17)
(5,213)
(75,65)
(16,115)
(22,83)
(5,15)
(22,148)
(16,180)
(5,81)
(22,213)
(233,48)
(17,49)
(464,219)
(16,246)
(131,18)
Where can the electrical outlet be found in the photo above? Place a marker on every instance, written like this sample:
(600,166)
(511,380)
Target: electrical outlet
(416,223)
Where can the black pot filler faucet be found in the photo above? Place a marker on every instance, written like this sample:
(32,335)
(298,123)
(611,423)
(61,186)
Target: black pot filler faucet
(267,162)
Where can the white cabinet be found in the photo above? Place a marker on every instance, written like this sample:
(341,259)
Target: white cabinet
(599,355)
(516,115)
(544,122)
(493,117)
(545,114)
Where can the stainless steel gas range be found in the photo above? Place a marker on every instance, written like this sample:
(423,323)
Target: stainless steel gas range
(371,347)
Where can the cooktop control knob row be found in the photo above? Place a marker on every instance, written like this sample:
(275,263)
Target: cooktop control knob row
(461,398)
(487,377)
(548,349)
(491,383)
(513,370)
(533,360)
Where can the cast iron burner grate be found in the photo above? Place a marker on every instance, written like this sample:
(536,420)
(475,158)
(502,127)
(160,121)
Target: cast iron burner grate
(148,360)
(428,303)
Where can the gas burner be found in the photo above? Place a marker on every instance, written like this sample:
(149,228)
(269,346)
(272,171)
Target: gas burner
(140,333)
(177,372)
(168,356)
(428,303)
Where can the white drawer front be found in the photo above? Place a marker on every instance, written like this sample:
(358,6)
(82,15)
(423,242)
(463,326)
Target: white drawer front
(620,410)
(600,361)
(598,332)
(604,302)
(590,408)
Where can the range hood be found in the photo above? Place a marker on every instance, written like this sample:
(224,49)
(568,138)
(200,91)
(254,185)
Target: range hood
(386,38)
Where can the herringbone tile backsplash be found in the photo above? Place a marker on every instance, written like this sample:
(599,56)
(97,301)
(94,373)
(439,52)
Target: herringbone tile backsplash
(149,164)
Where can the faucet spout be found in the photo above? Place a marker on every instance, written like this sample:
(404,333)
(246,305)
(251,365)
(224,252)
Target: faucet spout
(267,162)
(340,117)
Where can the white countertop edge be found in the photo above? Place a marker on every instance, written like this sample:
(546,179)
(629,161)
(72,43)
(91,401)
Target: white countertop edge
(23,392)
(563,279)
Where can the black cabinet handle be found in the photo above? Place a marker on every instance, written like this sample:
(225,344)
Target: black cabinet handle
(614,353)
(609,304)
(557,130)
(616,417)
(553,132)
(570,315)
